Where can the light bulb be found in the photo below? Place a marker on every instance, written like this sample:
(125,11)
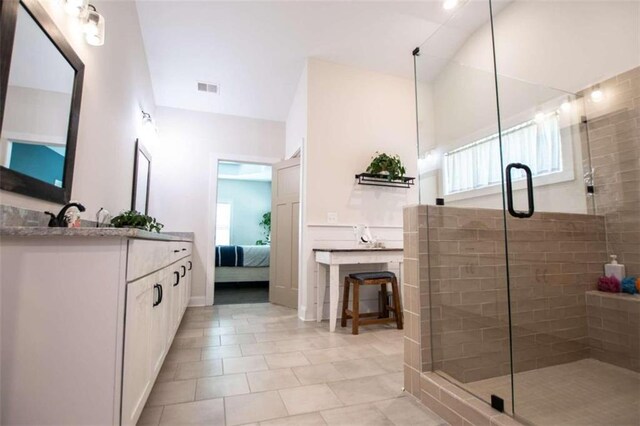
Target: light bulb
(449,4)
(566,106)
(597,95)
(75,8)
(93,27)
(539,117)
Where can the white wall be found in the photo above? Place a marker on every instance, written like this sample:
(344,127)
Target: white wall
(184,171)
(352,113)
(297,116)
(116,86)
(249,200)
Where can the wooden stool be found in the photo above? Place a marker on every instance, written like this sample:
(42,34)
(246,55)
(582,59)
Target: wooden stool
(371,278)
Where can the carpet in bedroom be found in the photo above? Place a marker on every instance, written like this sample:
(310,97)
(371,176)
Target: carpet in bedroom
(234,293)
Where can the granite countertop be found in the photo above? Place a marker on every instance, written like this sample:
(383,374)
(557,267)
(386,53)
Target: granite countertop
(41,231)
(333,250)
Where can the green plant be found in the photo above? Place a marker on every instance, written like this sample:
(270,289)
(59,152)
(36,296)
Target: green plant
(384,163)
(265,223)
(133,219)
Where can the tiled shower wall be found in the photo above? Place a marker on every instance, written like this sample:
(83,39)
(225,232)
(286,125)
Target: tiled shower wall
(554,259)
(614,138)
(614,328)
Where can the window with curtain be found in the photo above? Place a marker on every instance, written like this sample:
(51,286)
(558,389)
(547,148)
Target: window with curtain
(223,224)
(535,143)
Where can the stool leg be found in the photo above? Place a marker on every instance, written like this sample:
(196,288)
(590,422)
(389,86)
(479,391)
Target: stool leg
(355,321)
(384,309)
(397,305)
(345,302)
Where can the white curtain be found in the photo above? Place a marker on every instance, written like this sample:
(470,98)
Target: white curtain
(535,143)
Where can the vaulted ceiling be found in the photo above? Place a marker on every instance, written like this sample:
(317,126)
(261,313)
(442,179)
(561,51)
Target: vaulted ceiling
(256,51)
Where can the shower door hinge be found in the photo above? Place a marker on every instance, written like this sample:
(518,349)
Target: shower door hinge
(497,403)
(416,51)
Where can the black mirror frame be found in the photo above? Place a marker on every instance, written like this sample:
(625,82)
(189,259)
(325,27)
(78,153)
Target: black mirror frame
(11,180)
(140,150)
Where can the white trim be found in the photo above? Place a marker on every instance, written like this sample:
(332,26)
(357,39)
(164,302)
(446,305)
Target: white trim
(211,213)
(343,225)
(35,139)
(197,301)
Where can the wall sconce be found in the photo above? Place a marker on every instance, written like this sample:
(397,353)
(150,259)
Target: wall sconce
(92,21)
(596,94)
(75,8)
(149,132)
(146,118)
(93,27)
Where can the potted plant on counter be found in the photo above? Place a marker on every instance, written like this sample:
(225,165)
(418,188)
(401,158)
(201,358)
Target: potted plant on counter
(134,219)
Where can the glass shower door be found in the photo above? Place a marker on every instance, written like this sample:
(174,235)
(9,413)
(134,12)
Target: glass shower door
(468,326)
(570,146)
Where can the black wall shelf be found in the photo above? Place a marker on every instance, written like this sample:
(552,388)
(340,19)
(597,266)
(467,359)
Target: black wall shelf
(383,180)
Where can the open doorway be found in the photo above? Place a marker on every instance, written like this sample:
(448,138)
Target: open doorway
(242,233)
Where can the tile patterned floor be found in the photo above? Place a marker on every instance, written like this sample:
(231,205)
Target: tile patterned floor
(581,393)
(258,364)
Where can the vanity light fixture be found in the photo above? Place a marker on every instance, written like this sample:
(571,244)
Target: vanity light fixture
(449,4)
(75,8)
(565,106)
(93,27)
(596,94)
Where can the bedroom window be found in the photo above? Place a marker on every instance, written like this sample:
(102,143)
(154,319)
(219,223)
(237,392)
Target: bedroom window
(223,224)
(477,165)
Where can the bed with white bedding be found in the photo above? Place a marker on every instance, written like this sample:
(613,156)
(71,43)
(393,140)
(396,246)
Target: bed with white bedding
(242,264)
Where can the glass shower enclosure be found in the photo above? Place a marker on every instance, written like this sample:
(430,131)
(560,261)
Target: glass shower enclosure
(528,118)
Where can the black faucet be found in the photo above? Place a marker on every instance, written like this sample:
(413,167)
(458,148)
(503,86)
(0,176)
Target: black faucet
(60,221)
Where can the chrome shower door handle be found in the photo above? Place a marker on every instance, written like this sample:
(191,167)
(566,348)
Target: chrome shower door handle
(512,211)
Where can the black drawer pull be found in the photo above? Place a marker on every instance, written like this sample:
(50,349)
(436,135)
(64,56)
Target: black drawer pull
(176,251)
(177,274)
(157,287)
(184,270)
(184,249)
(190,265)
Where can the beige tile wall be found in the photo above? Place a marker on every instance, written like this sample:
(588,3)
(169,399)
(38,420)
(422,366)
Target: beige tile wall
(554,259)
(614,328)
(614,139)
(413,358)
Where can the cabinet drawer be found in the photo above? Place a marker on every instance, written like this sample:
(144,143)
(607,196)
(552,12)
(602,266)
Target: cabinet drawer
(147,256)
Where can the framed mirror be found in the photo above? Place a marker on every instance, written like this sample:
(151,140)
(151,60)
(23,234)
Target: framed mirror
(40,94)
(141,179)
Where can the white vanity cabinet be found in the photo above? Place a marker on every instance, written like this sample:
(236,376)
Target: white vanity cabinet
(154,307)
(86,323)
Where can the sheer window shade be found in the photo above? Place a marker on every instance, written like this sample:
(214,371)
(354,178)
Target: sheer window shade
(535,143)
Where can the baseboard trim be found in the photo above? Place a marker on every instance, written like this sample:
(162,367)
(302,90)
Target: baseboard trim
(197,301)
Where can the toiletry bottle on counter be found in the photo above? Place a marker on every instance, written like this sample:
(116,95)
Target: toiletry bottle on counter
(614,269)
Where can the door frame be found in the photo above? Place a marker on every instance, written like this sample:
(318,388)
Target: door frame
(209,286)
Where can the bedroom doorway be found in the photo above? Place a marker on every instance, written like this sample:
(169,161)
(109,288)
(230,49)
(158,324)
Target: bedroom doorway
(242,233)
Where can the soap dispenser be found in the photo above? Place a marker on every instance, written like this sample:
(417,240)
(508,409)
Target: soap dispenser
(614,268)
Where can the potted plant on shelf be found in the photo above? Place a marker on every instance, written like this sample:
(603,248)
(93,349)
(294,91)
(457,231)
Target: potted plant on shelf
(134,219)
(386,165)
(265,223)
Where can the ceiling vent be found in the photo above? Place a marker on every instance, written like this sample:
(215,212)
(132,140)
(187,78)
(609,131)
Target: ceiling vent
(209,87)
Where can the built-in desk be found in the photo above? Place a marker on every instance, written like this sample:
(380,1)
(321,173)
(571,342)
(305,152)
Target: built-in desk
(332,258)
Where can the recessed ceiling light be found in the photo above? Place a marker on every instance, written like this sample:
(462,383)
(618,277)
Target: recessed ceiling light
(449,4)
